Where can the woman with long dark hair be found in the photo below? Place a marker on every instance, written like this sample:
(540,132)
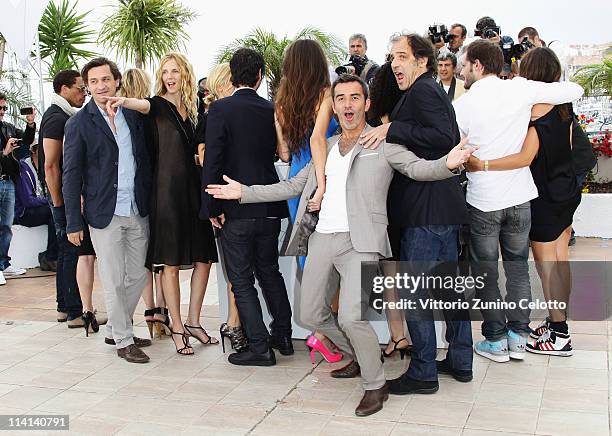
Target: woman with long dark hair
(384,95)
(547,150)
(303,108)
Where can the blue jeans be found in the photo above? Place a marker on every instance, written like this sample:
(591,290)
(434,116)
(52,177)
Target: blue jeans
(68,297)
(7,214)
(508,228)
(435,243)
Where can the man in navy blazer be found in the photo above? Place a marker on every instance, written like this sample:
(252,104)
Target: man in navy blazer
(241,143)
(106,162)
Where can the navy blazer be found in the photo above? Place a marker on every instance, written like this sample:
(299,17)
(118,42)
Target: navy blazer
(241,143)
(91,159)
(424,122)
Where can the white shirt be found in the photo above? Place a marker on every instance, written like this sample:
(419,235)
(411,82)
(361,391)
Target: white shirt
(495,116)
(333,217)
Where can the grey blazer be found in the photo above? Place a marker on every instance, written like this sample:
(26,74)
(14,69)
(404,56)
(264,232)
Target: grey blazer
(369,176)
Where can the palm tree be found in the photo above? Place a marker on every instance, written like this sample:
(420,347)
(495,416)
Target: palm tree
(596,79)
(273,50)
(62,35)
(144,30)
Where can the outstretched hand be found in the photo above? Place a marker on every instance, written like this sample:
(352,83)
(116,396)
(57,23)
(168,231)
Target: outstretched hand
(459,155)
(231,191)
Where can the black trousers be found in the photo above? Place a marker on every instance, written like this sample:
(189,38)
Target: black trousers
(39,216)
(250,249)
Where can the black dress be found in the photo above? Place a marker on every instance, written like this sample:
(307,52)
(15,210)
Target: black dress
(553,173)
(178,236)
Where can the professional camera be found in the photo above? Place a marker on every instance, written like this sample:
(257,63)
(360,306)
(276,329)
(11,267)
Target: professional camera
(513,52)
(439,33)
(355,65)
(488,32)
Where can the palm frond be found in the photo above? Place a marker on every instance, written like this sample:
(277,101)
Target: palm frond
(63,33)
(273,50)
(596,79)
(142,31)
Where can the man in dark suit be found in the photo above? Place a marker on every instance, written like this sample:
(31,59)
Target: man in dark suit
(427,214)
(106,162)
(241,143)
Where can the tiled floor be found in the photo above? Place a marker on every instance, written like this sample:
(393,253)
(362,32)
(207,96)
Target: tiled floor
(46,368)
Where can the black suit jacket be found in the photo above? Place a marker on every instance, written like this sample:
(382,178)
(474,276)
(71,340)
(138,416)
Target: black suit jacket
(424,121)
(91,159)
(241,143)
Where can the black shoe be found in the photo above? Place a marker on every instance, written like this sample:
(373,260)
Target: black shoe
(406,385)
(462,375)
(250,358)
(283,344)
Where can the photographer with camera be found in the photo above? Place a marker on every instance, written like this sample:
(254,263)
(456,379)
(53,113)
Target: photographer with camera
(449,42)
(486,28)
(202,94)
(14,144)
(532,36)
(358,63)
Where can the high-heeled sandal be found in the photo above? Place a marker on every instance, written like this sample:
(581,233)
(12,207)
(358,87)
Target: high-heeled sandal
(161,328)
(89,318)
(402,350)
(150,322)
(314,344)
(186,346)
(210,340)
(236,335)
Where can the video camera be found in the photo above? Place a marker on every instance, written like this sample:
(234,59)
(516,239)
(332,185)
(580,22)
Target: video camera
(513,52)
(439,33)
(355,65)
(488,32)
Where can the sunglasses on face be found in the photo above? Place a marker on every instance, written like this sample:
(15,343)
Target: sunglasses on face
(4,108)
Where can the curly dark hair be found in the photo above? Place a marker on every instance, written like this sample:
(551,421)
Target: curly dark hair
(304,82)
(384,92)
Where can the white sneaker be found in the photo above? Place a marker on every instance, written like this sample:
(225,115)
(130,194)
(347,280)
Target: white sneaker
(2,279)
(14,271)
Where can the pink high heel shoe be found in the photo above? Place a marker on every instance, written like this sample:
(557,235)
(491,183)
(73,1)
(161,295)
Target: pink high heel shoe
(315,344)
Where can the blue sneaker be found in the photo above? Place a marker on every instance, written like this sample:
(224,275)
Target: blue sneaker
(516,345)
(497,351)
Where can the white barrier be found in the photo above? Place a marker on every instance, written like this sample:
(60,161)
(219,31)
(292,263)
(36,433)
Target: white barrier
(27,242)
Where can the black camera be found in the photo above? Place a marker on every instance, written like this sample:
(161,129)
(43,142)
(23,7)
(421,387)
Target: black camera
(439,33)
(488,32)
(513,52)
(355,65)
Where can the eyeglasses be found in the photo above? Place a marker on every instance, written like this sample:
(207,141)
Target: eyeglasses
(83,89)
(4,108)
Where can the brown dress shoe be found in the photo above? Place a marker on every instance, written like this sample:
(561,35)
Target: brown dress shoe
(139,342)
(351,370)
(372,401)
(133,354)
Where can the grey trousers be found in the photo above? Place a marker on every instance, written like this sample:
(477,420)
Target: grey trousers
(331,262)
(121,248)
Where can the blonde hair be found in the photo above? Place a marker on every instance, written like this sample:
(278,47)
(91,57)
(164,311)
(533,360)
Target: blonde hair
(188,83)
(219,77)
(136,83)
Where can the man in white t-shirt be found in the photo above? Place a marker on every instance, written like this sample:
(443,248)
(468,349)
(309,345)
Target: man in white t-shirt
(352,228)
(495,116)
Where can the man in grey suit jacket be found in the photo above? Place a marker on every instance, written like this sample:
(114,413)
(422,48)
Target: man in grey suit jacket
(352,228)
